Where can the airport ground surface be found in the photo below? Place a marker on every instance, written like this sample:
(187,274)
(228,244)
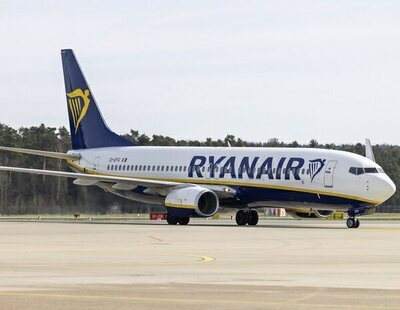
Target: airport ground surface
(207,265)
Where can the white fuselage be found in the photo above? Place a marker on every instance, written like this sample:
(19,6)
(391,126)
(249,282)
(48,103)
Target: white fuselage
(260,176)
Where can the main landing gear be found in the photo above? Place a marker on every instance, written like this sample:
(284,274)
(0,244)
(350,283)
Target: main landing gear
(353,222)
(181,220)
(244,217)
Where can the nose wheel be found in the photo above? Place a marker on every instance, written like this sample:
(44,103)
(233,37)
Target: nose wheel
(249,217)
(353,222)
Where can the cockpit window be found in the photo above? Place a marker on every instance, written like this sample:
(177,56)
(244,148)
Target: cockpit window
(359,171)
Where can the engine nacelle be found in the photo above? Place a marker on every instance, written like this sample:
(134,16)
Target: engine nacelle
(311,214)
(192,201)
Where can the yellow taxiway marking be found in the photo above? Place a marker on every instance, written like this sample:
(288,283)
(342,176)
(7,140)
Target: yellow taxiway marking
(204,259)
(193,301)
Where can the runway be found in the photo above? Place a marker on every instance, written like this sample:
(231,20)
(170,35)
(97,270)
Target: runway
(209,264)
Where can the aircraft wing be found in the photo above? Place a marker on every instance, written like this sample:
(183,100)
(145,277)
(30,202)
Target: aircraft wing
(120,183)
(91,179)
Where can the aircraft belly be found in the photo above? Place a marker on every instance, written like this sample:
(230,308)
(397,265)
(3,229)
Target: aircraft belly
(258,197)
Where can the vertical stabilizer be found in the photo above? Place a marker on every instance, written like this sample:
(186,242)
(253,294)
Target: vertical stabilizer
(88,129)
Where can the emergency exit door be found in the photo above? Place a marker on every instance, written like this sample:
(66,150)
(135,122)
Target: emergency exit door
(329,173)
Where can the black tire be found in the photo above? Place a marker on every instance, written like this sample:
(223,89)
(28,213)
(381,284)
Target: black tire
(351,222)
(357,224)
(183,220)
(241,218)
(172,220)
(253,218)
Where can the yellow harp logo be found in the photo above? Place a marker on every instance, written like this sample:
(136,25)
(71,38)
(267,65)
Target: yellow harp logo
(78,104)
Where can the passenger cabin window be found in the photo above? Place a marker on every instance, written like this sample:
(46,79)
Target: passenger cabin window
(166,168)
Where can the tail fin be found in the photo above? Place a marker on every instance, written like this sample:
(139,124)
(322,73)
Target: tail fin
(88,129)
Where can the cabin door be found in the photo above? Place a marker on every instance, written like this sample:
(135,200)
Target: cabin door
(329,172)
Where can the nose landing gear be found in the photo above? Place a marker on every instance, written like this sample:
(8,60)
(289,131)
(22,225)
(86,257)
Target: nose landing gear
(249,217)
(353,222)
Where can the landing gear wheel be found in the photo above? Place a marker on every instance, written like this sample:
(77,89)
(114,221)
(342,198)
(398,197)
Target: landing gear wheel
(352,222)
(253,219)
(241,218)
(183,220)
(172,220)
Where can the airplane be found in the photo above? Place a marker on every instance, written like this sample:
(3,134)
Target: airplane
(198,181)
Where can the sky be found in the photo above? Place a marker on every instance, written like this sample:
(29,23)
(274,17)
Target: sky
(292,70)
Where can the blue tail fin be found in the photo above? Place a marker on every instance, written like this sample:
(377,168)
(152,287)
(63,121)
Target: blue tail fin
(88,129)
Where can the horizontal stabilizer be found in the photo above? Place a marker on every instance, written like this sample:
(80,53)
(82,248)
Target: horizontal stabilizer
(41,153)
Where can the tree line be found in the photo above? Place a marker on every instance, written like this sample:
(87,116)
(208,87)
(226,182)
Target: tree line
(33,194)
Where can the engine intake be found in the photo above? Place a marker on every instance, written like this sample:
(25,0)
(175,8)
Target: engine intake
(202,201)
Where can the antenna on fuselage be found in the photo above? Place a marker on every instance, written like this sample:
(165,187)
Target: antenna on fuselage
(369,153)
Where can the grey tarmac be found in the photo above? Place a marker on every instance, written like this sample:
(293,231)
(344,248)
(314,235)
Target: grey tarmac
(209,264)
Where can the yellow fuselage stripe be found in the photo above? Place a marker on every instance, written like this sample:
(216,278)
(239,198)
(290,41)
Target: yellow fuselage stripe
(175,205)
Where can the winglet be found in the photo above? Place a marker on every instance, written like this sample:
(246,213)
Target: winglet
(369,153)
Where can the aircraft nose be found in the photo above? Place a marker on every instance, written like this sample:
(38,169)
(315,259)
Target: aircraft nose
(385,187)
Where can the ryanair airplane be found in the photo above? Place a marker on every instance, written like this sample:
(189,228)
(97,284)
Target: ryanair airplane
(198,181)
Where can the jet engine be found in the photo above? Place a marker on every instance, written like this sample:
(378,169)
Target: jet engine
(311,214)
(192,201)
